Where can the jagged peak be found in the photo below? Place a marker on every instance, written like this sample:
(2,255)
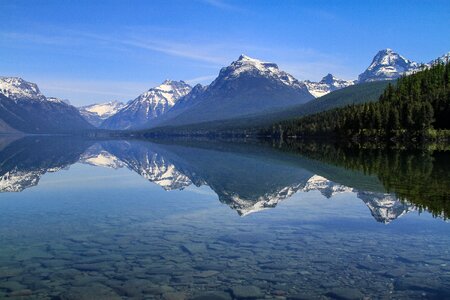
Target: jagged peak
(170,85)
(244,60)
(444,58)
(18,88)
(387,50)
(388,56)
(329,78)
(387,65)
(244,57)
(246,65)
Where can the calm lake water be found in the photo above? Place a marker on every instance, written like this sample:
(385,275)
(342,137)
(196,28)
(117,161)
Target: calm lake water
(86,219)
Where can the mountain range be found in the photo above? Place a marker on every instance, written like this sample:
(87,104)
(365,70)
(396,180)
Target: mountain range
(252,87)
(247,87)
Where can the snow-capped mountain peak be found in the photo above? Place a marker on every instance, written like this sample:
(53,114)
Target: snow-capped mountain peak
(16,88)
(445,58)
(329,83)
(170,90)
(248,66)
(97,113)
(104,110)
(387,65)
(159,99)
(149,105)
(337,83)
(246,63)
(329,79)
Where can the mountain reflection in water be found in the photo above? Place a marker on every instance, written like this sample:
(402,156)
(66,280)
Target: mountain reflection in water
(248,177)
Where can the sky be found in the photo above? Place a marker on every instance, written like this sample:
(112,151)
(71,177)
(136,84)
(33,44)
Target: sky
(97,51)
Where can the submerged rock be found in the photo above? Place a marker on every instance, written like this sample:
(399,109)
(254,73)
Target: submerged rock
(214,295)
(345,294)
(246,292)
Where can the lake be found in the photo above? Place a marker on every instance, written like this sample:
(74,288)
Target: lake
(185,219)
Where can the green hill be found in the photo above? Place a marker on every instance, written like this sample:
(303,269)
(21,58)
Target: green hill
(417,106)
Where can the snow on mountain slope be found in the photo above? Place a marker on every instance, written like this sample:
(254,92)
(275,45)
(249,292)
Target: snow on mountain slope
(149,105)
(97,113)
(103,110)
(387,65)
(246,65)
(445,58)
(16,88)
(183,104)
(328,84)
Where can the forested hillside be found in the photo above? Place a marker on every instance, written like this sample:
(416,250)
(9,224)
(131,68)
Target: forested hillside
(416,106)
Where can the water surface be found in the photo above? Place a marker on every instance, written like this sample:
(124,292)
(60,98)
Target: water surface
(86,219)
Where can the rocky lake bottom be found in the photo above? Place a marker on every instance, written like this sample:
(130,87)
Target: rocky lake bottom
(86,232)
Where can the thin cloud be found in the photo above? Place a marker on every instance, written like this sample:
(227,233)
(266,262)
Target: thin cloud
(80,92)
(201,79)
(39,39)
(220,4)
(203,52)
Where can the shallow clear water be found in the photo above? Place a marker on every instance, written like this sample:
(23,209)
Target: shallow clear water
(138,220)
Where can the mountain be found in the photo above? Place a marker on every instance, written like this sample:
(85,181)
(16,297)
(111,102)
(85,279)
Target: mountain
(445,58)
(149,105)
(354,94)
(387,65)
(16,88)
(183,104)
(328,84)
(247,86)
(97,113)
(23,108)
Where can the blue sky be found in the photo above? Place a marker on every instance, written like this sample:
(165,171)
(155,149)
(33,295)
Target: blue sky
(94,51)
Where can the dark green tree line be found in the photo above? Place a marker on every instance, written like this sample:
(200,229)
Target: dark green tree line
(416,106)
